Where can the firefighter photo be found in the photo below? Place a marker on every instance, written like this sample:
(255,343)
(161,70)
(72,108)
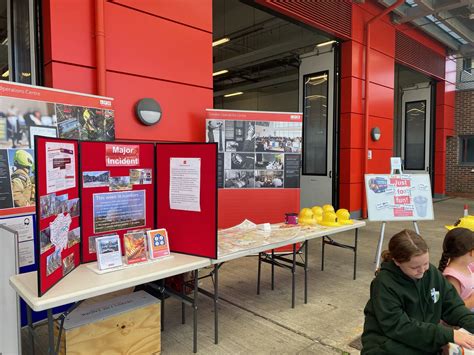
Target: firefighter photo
(23,187)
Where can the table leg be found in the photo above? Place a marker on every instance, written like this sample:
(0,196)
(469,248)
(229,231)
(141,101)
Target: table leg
(29,318)
(355,251)
(183,310)
(293,281)
(216,300)
(306,271)
(322,253)
(162,284)
(196,279)
(258,273)
(273,269)
(51,350)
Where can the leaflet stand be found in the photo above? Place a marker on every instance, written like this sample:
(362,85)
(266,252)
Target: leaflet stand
(395,166)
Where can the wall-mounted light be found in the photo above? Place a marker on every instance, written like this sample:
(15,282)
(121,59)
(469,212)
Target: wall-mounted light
(375,134)
(148,111)
(220,41)
(325,43)
(6,74)
(234,94)
(220,72)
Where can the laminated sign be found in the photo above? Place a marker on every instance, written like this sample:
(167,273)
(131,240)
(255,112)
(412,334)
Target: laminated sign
(122,155)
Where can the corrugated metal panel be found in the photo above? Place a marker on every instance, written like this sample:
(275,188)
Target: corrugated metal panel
(334,16)
(415,55)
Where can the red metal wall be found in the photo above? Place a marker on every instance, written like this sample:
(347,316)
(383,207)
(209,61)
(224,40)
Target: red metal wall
(154,48)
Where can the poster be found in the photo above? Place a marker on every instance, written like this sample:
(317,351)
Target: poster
(45,131)
(122,155)
(185,184)
(24,226)
(21,166)
(255,154)
(402,197)
(60,166)
(113,211)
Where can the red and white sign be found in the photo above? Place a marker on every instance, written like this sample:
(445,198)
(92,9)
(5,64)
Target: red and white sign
(122,155)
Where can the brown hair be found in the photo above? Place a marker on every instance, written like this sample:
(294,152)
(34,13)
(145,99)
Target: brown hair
(457,242)
(404,245)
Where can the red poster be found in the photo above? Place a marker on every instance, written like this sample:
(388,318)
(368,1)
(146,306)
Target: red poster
(122,155)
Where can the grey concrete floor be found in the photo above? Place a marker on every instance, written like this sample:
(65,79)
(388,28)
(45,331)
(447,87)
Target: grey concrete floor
(266,323)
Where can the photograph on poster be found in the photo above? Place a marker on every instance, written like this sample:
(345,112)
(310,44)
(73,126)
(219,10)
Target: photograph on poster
(73,237)
(18,115)
(45,240)
(239,179)
(269,179)
(134,247)
(61,204)
(215,133)
(119,183)
(118,210)
(60,166)
(95,178)
(68,121)
(73,207)
(53,262)
(47,205)
(278,137)
(21,167)
(269,161)
(6,199)
(140,176)
(68,264)
(94,125)
(240,136)
(44,131)
(242,161)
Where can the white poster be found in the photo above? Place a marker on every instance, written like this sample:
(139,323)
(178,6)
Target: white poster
(185,184)
(26,253)
(60,166)
(400,197)
(24,227)
(59,230)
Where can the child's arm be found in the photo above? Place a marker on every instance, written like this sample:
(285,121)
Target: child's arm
(469,302)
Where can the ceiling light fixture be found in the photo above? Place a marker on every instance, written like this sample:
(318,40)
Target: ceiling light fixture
(220,72)
(6,74)
(220,41)
(234,94)
(325,43)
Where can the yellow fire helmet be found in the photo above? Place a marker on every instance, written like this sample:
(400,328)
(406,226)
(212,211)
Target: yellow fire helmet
(464,222)
(329,219)
(305,213)
(317,213)
(343,216)
(328,208)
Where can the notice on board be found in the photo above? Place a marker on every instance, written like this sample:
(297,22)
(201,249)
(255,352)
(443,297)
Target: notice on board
(185,184)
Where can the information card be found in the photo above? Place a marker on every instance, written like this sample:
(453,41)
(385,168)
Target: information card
(185,184)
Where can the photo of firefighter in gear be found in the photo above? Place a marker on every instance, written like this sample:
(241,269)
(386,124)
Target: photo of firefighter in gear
(22,178)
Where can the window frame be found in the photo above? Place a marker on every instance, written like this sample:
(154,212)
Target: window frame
(462,138)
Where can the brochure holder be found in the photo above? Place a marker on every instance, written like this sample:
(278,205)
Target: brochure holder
(117,184)
(57,209)
(189,232)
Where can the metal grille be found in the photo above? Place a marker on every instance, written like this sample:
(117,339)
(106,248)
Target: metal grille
(333,16)
(415,55)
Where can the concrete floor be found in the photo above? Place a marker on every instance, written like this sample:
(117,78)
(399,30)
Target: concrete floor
(264,324)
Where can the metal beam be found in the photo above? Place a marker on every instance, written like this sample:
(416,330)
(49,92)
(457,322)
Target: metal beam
(263,54)
(467,50)
(424,8)
(258,85)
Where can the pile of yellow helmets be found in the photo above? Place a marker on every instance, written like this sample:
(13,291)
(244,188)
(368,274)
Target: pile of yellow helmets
(325,216)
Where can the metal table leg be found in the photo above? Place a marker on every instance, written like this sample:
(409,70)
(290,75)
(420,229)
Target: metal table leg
(355,251)
(258,272)
(306,271)
(273,269)
(216,299)
(51,350)
(162,290)
(322,253)
(29,318)
(293,280)
(196,279)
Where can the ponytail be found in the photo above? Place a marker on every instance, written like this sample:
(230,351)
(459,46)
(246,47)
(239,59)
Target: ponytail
(443,262)
(386,256)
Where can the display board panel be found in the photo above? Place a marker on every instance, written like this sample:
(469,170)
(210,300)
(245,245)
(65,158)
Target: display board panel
(190,214)
(57,209)
(117,184)
(402,197)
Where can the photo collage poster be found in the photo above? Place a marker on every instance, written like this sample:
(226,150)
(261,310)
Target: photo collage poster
(57,210)
(257,154)
(117,191)
(21,119)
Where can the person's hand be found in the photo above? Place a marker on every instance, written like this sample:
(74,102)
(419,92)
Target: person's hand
(463,339)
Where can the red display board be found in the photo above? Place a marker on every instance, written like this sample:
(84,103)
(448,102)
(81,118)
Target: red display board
(189,231)
(57,209)
(117,184)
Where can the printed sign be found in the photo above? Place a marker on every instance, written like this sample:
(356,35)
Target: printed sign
(399,197)
(122,155)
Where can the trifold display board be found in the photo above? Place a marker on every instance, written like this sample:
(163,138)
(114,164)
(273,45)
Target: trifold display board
(57,210)
(191,218)
(118,189)
(92,189)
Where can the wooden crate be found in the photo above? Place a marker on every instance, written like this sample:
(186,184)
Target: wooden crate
(128,324)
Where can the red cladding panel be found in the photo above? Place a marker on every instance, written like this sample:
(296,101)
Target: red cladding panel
(350,196)
(72,31)
(183,108)
(440,163)
(59,75)
(381,101)
(383,38)
(440,184)
(46,35)
(352,59)
(150,46)
(382,68)
(386,129)
(351,95)
(415,55)
(380,162)
(334,17)
(190,12)
(440,145)
(258,205)
(351,130)
(350,165)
